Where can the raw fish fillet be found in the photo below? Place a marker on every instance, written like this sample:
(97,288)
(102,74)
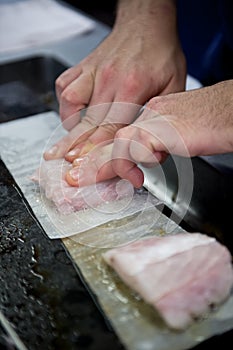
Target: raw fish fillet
(181,275)
(67,199)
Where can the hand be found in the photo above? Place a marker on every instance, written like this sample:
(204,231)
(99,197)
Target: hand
(141,58)
(93,167)
(192,123)
(197,122)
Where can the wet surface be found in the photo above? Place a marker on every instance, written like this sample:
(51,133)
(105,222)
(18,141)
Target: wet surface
(41,294)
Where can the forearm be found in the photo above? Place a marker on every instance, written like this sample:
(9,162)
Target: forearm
(147,12)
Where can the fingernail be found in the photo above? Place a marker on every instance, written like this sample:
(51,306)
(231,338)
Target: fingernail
(77,162)
(75,173)
(52,151)
(73,153)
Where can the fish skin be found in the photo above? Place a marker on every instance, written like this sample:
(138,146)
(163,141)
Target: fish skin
(191,273)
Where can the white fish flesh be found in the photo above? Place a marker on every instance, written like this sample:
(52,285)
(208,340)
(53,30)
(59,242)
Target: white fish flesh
(181,275)
(68,199)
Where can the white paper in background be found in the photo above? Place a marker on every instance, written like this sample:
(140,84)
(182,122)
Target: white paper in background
(22,143)
(29,23)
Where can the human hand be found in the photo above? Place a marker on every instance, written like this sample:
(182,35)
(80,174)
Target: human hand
(141,58)
(197,122)
(192,123)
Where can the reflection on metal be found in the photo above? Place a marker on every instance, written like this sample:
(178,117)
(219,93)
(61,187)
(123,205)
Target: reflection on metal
(172,182)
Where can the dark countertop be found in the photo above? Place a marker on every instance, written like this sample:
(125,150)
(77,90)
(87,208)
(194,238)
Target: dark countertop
(41,294)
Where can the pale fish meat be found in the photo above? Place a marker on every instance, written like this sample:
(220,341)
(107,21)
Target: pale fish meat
(183,276)
(50,176)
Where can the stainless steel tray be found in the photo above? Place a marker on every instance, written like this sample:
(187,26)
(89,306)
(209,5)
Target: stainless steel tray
(27,87)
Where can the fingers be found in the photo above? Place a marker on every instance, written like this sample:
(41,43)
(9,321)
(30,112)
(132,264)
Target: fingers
(75,142)
(94,128)
(146,142)
(130,149)
(66,78)
(118,115)
(194,123)
(110,118)
(92,168)
(72,141)
(112,73)
(81,134)
(74,98)
(131,172)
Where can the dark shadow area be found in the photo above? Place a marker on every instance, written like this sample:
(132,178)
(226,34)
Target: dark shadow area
(103,11)
(27,87)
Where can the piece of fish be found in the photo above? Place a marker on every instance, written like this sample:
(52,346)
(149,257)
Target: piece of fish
(181,275)
(51,178)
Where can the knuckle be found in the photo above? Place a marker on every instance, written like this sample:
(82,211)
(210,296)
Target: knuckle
(69,95)
(90,119)
(126,132)
(109,129)
(108,71)
(162,104)
(132,84)
(60,83)
(156,103)
(120,134)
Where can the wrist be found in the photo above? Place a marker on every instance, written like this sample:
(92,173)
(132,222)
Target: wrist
(145,11)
